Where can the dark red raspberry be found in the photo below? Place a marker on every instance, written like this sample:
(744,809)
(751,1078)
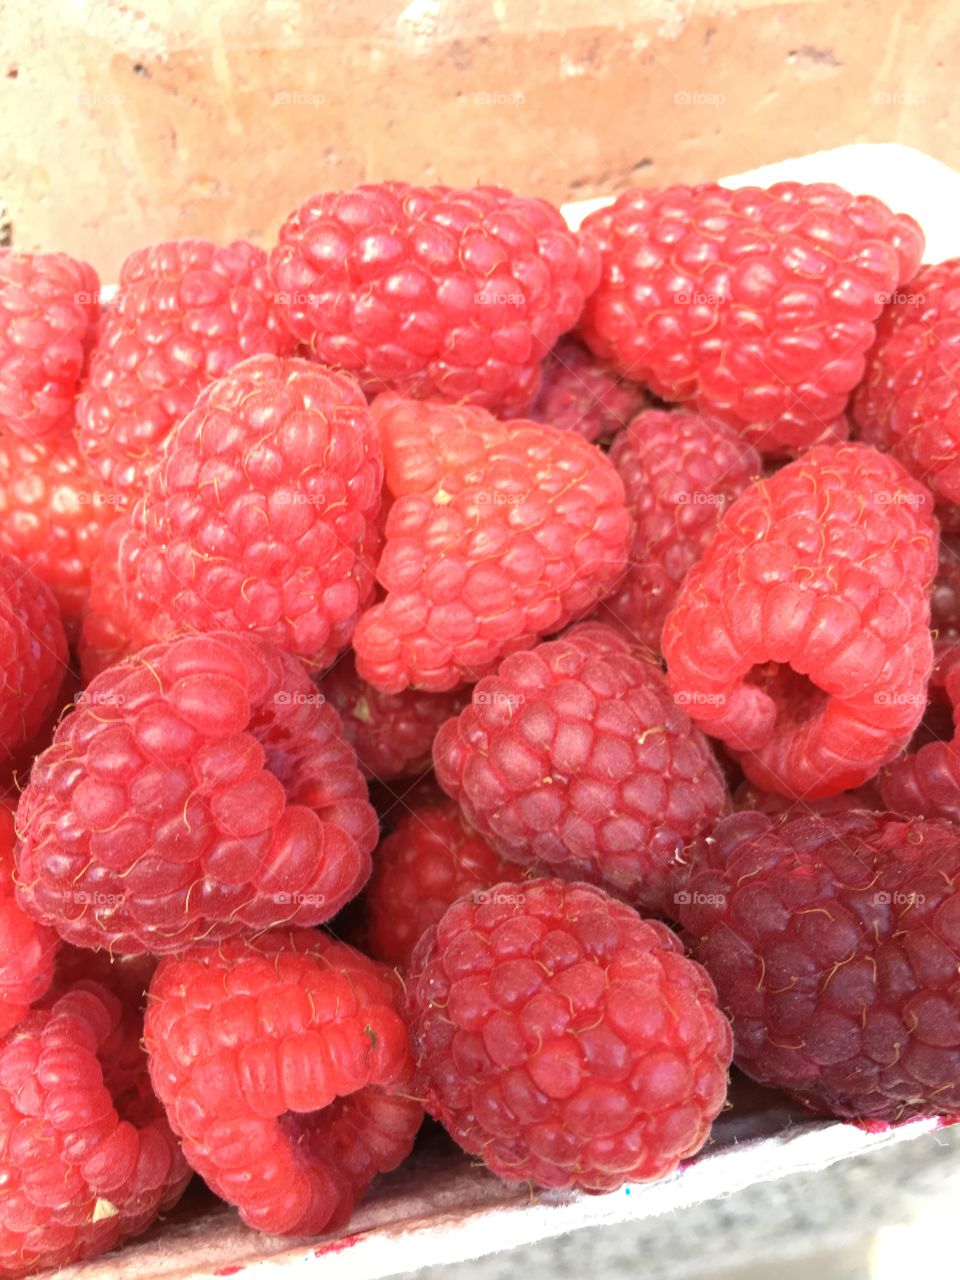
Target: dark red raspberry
(802,639)
(749,797)
(33,654)
(392,733)
(199,790)
(54,516)
(186,312)
(128,977)
(926,780)
(563,1039)
(574,758)
(87,1159)
(755,306)
(284,1066)
(49,310)
(499,533)
(833,942)
(432,291)
(262,516)
(679,470)
(27,949)
(580,393)
(945,601)
(908,402)
(430,859)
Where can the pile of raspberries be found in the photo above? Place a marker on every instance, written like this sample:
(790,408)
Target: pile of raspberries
(454,664)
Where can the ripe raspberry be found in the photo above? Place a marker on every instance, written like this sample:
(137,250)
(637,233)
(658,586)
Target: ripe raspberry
(53,517)
(284,1065)
(679,471)
(392,733)
(198,791)
(833,943)
(927,779)
(128,977)
(563,1039)
(499,533)
(49,308)
(580,393)
(802,639)
(755,306)
(432,291)
(87,1159)
(33,654)
(945,601)
(749,797)
(112,626)
(908,402)
(186,312)
(573,757)
(27,950)
(262,516)
(429,860)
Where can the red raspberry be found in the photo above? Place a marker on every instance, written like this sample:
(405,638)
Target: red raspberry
(430,859)
(580,393)
(33,654)
(908,401)
(755,306)
(749,797)
(185,313)
(927,779)
(802,639)
(392,733)
(262,516)
(49,309)
(431,291)
(499,533)
(53,517)
(112,627)
(27,950)
(945,601)
(199,790)
(574,757)
(833,942)
(128,977)
(679,471)
(563,1039)
(284,1065)
(87,1159)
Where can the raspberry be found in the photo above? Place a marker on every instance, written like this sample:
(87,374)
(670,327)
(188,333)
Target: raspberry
(112,627)
(430,859)
(580,393)
(33,654)
(563,1039)
(284,1065)
(748,797)
(27,949)
(574,757)
(755,306)
(392,733)
(87,1159)
(802,639)
(431,291)
(833,942)
(198,791)
(186,312)
(927,779)
(53,517)
(945,601)
(499,533)
(128,977)
(262,516)
(908,402)
(49,309)
(679,471)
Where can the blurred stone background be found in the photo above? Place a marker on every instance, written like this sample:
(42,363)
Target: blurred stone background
(125,124)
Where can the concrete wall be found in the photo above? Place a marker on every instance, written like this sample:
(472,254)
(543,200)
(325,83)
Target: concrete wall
(122,125)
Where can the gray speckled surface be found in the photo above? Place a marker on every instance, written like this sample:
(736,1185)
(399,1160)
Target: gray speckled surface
(806,1227)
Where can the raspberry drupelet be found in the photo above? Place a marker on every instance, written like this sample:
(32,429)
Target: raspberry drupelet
(33,654)
(574,759)
(432,291)
(565,1040)
(833,940)
(580,393)
(27,949)
(284,1066)
(498,533)
(198,791)
(801,639)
